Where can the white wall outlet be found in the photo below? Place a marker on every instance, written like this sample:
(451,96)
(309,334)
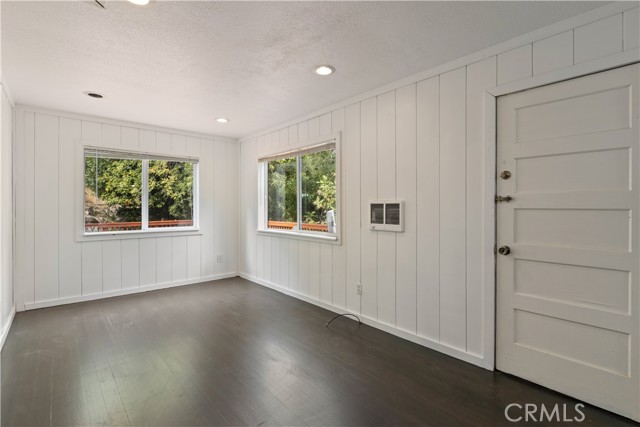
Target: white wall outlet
(359,288)
(219,259)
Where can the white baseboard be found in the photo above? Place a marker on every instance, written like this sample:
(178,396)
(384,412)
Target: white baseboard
(442,348)
(147,288)
(6,327)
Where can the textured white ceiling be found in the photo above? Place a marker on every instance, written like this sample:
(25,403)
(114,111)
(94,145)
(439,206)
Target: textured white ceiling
(182,64)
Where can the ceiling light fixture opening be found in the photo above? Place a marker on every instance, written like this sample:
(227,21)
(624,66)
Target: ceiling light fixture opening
(222,120)
(324,70)
(94,95)
(139,2)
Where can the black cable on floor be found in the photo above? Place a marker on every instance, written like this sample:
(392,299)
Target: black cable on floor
(340,315)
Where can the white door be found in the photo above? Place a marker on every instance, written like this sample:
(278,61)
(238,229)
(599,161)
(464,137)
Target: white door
(567,292)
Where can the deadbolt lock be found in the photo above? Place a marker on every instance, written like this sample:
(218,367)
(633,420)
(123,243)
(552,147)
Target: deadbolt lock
(504,250)
(505,174)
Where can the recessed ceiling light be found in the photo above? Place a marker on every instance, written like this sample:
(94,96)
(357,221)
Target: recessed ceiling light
(94,95)
(324,70)
(222,120)
(139,2)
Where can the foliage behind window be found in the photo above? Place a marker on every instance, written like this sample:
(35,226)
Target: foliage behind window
(115,198)
(315,176)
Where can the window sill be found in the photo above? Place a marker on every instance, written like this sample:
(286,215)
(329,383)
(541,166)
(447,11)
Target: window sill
(138,234)
(331,238)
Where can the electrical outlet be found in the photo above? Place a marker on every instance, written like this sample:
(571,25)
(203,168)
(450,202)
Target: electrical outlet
(359,288)
(219,259)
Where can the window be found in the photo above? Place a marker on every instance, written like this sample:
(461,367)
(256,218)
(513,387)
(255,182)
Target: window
(125,192)
(300,191)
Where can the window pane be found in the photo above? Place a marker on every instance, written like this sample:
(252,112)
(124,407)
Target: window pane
(282,203)
(112,194)
(319,191)
(170,194)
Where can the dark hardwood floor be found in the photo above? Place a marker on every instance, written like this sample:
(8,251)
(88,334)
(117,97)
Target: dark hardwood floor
(235,353)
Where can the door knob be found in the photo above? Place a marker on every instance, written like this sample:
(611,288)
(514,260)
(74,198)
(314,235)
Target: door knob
(504,250)
(505,174)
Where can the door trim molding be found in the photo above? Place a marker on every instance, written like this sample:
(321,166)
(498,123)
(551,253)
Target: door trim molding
(490,164)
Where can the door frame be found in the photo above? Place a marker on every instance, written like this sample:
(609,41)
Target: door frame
(490,150)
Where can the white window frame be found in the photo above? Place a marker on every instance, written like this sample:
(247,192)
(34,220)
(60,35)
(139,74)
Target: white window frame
(82,235)
(263,196)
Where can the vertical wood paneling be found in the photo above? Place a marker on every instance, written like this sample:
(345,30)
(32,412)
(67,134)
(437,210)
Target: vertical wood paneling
(453,209)
(70,252)
(326,273)
(244,243)
(351,229)
(480,76)
(325,125)
(110,135)
(260,240)
(553,53)
(386,260)
(293,135)
(252,194)
(91,268)
(314,127)
(406,170)
(147,139)
(515,64)
(275,260)
(283,256)
(46,207)
(424,145)
(292,274)
(178,144)
(284,138)
(231,237)
(631,26)
(221,181)
(23,171)
(266,243)
(193,257)
(148,262)
(163,142)
(207,201)
(163,260)
(91,132)
(303,267)
(178,258)
(338,251)
(598,39)
(369,192)
(129,137)
(111,266)
(428,208)
(314,270)
(259,257)
(131,263)
(303,132)
(53,265)
(192,147)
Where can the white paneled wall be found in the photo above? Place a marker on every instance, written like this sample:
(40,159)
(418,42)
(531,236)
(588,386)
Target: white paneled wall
(54,267)
(423,142)
(7,307)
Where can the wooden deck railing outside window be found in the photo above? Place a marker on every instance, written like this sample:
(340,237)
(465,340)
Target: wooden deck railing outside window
(134,225)
(284,225)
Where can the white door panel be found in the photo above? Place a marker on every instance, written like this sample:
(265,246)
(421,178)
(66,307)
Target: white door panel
(567,292)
